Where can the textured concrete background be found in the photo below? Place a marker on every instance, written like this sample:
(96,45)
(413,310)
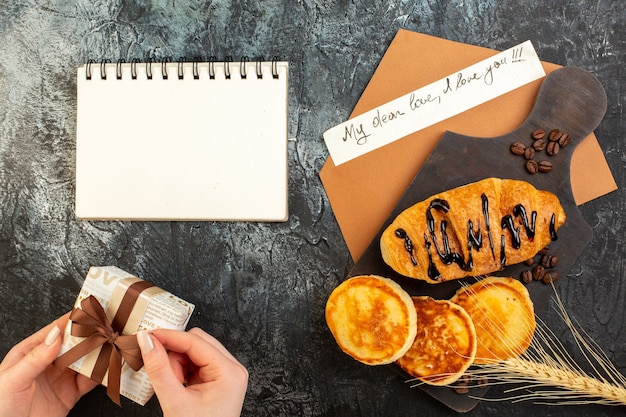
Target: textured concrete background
(261,288)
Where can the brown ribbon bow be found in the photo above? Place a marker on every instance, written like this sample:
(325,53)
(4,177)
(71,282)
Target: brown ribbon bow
(90,321)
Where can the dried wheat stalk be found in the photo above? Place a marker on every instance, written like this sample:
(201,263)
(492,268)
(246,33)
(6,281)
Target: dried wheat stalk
(547,374)
(575,388)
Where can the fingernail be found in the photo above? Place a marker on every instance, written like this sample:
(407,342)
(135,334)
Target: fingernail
(145,341)
(52,336)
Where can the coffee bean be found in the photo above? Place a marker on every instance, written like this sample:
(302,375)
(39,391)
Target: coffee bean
(462,385)
(527,276)
(461,389)
(529,261)
(544,166)
(554,261)
(532,166)
(539,272)
(482,382)
(564,140)
(553,148)
(529,153)
(550,276)
(538,134)
(518,148)
(549,261)
(554,135)
(540,144)
(545,250)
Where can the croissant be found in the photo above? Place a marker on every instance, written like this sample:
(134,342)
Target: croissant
(471,230)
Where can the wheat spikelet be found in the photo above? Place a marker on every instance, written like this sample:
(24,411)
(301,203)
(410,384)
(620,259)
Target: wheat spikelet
(575,388)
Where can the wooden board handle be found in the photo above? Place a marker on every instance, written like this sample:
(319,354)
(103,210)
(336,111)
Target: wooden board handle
(570,99)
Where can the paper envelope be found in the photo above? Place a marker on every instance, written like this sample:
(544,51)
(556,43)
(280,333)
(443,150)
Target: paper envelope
(364,191)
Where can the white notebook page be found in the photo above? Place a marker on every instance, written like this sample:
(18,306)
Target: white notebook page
(182,149)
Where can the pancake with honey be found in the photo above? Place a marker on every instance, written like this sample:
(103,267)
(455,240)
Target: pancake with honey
(503,315)
(445,344)
(372,319)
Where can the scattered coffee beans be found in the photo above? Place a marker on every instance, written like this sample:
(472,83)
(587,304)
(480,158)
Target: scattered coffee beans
(538,134)
(564,140)
(461,386)
(544,166)
(532,166)
(549,277)
(518,148)
(540,145)
(468,382)
(550,142)
(482,382)
(555,135)
(527,276)
(553,148)
(543,268)
(549,261)
(529,153)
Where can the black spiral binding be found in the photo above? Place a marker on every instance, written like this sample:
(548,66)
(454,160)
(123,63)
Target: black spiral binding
(133,68)
(259,61)
(164,63)
(118,69)
(88,69)
(149,62)
(228,61)
(212,61)
(196,74)
(242,67)
(103,73)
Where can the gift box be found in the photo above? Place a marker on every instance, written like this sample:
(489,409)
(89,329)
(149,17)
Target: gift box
(100,339)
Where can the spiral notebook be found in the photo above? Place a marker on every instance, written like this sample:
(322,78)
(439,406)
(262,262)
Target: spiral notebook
(182,141)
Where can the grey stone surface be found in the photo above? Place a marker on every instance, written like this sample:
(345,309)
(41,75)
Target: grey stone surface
(261,288)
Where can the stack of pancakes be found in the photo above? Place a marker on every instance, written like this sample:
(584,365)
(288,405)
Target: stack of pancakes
(376,322)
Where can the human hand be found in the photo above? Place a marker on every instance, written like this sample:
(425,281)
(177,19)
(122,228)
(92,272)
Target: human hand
(31,386)
(215,382)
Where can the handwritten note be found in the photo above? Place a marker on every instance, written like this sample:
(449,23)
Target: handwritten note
(433,103)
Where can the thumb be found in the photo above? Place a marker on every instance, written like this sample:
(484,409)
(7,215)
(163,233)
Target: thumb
(156,362)
(22,374)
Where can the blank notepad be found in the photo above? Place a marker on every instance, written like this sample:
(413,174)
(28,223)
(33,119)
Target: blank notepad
(182,141)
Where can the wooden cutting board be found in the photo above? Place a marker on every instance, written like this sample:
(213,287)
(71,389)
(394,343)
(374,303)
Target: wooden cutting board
(571,100)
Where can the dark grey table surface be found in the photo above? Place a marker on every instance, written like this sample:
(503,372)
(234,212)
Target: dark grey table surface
(261,288)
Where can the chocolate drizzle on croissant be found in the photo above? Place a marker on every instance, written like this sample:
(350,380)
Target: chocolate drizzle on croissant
(408,244)
(485,207)
(444,237)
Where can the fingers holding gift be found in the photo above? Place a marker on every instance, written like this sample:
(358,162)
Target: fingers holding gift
(203,350)
(212,375)
(25,346)
(28,359)
(181,365)
(213,341)
(166,380)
